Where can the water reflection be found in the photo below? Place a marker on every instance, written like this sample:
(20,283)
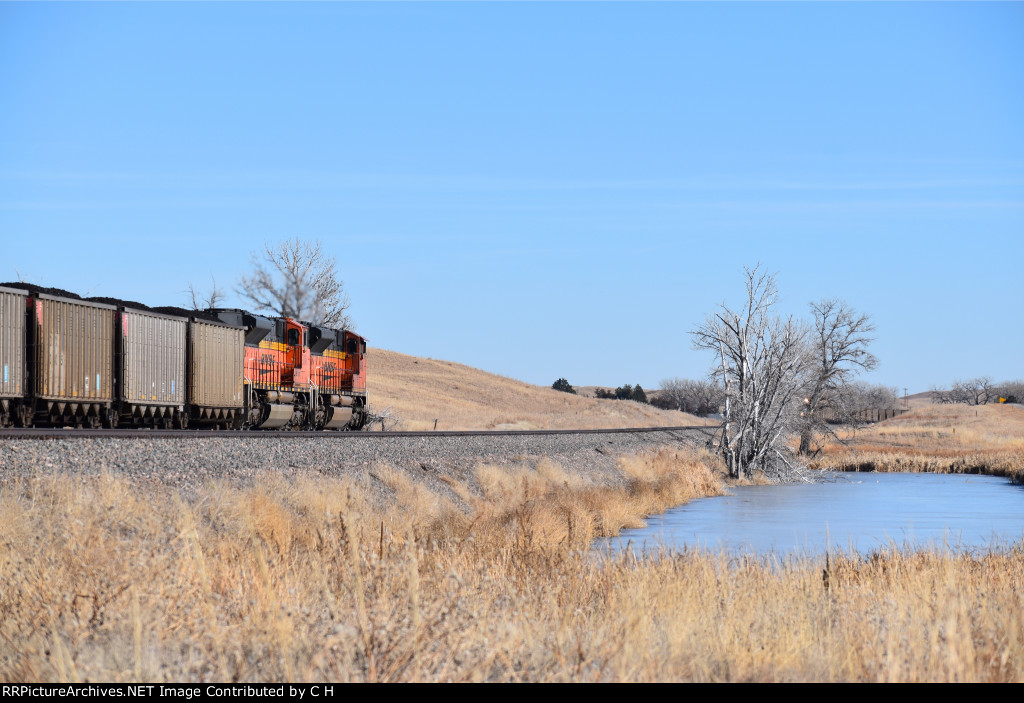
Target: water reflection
(860,512)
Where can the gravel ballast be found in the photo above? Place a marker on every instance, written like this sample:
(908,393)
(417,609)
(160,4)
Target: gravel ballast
(189,464)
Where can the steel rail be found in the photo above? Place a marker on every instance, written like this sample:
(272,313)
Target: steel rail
(74,433)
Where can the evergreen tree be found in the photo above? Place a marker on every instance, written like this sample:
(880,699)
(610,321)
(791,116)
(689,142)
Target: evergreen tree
(564,386)
(639,395)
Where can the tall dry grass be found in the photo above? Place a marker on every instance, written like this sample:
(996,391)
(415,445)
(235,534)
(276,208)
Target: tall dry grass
(379,579)
(460,397)
(941,438)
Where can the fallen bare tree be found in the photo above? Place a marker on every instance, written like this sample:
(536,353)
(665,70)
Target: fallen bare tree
(386,418)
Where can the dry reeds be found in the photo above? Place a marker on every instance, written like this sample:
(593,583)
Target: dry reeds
(322,580)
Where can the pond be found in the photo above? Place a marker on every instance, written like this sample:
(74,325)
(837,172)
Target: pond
(852,511)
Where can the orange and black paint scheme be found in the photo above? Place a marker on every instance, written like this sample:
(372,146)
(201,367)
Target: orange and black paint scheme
(301,376)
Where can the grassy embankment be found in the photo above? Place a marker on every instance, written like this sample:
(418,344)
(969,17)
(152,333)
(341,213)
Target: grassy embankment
(987,439)
(463,398)
(312,580)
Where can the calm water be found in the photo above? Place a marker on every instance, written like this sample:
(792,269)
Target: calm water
(862,511)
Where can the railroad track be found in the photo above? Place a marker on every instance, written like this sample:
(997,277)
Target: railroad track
(72,433)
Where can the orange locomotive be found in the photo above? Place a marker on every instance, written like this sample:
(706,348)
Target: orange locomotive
(300,376)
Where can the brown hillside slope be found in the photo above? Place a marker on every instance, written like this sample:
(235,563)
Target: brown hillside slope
(463,398)
(940,438)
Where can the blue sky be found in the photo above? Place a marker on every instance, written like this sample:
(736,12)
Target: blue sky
(538,189)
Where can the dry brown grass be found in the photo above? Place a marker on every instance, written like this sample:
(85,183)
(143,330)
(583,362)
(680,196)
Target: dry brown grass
(940,438)
(463,398)
(316,580)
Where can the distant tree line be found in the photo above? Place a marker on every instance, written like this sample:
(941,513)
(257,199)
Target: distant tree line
(855,397)
(626,392)
(706,397)
(981,391)
(695,397)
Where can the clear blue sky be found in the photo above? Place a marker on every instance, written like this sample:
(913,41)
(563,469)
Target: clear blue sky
(538,190)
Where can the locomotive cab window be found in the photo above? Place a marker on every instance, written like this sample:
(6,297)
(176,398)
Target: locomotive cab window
(353,347)
(293,337)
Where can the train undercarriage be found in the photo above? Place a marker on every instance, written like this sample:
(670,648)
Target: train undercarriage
(264,410)
(303,410)
(286,410)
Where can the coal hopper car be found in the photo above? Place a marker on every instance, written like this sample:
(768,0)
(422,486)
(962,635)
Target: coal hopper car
(12,356)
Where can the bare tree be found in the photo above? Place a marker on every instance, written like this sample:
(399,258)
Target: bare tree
(205,301)
(952,395)
(297,279)
(975,391)
(762,359)
(940,395)
(696,397)
(857,396)
(838,347)
(676,394)
(978,391)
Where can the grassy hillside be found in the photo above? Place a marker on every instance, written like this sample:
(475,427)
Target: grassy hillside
(920,400)
(464,398)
